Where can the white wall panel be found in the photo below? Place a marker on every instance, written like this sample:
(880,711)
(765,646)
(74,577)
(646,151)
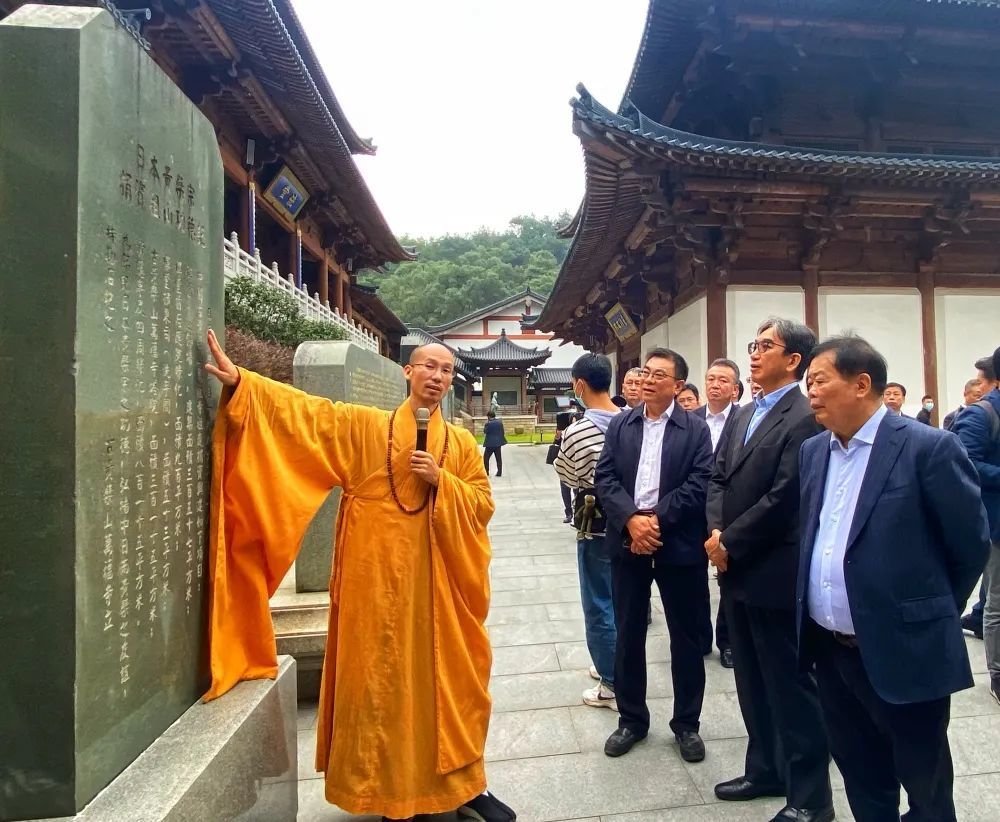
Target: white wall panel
(747,308)
(688,336)
(890,320)
(656,337)
(968,327)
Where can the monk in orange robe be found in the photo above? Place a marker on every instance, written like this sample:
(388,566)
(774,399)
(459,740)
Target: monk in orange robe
(404,706)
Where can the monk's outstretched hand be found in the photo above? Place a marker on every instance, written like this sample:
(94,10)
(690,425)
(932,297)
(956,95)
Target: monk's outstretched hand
(224,369)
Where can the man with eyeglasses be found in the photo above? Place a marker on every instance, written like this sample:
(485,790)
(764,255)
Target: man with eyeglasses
(652,478)
(404,704)
(753,514)
(721,383)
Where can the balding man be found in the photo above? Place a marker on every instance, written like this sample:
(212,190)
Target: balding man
(404,706)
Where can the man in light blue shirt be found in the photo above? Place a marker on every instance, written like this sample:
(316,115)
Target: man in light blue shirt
(828,603)
(763,404)
(894,537)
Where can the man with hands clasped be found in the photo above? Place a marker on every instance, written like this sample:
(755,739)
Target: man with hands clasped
(753,514)
(652,479)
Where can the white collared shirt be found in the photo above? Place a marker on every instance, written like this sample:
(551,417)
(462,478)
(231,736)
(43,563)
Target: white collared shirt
(717,422)
(647,478)
(827,591)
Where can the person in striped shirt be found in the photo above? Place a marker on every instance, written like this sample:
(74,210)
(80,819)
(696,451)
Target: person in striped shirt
(581,447)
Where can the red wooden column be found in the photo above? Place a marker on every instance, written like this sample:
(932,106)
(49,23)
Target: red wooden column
(928,322)
(810,285)
(345,284)
(248,216)
(324,280)
(715,311)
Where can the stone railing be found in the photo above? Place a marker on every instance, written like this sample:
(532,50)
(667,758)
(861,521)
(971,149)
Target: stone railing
(237,263)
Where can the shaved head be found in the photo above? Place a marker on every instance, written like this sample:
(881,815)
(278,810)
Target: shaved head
(431,351)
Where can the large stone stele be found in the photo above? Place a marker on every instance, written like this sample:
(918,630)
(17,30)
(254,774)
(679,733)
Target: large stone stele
(111,192)
(342,372)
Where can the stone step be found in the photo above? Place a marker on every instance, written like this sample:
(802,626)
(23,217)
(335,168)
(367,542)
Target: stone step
(300,632)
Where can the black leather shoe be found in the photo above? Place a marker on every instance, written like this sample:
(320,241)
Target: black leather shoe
(726,658)
(741,788)
(972,625)
(790,814)
(621,742)
(692,748)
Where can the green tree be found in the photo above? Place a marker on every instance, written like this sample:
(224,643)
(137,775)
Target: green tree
(456,274)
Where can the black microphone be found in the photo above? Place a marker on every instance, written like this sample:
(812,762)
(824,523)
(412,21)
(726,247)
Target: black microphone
(423,419)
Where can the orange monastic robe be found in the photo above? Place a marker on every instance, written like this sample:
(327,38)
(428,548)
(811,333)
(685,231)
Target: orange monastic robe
(404,706)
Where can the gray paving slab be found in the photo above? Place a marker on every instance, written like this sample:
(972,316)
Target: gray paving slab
(535,596)
(575,654)
(524,659)
(518,615)
(545,749)
(528,734)
(587,784)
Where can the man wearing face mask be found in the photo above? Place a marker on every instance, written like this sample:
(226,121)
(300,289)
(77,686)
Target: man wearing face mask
(581,447)
(926,406)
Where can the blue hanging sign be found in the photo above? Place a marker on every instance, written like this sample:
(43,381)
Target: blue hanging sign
(286,193)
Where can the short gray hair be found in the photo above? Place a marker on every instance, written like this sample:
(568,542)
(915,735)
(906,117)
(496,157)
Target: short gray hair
(797,338)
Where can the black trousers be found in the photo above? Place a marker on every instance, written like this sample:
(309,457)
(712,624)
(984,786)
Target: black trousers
(878,745)
(567,497)
(780,706)
(682,592)
(721,630)
(489,452)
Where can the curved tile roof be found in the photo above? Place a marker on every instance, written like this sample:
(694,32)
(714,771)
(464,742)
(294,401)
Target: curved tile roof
(424,337)
(694,150)
(551,377)
(503,350)
(296,84)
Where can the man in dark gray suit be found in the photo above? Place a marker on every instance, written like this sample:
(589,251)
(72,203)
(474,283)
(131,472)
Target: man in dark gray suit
(753,502)
(894,537)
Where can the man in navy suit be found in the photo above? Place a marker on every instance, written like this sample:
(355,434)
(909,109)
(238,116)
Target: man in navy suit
(652,479)
(894,537)
(722,382)
(978,427)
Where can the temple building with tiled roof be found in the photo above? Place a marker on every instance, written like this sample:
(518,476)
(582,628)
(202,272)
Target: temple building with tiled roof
(831,161)
(294,196)
(499,343)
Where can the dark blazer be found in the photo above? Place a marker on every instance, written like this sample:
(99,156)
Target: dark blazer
(949,419)
(685,467)
(917,545)
(973,428)
(702,411)
(493,434)
(753,498)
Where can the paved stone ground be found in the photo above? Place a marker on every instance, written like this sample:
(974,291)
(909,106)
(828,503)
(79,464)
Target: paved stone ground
(545,750)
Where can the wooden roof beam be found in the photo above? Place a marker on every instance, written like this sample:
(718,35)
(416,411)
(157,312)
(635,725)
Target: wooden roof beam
(861,29)
(791,189)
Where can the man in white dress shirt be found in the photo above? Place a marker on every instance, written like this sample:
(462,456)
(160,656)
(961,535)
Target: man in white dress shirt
(722,381)
(652,479)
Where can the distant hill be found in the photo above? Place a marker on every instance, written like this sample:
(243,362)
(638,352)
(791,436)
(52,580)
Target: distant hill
(457,274)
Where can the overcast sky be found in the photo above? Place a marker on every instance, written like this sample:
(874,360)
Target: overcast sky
(468,100)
